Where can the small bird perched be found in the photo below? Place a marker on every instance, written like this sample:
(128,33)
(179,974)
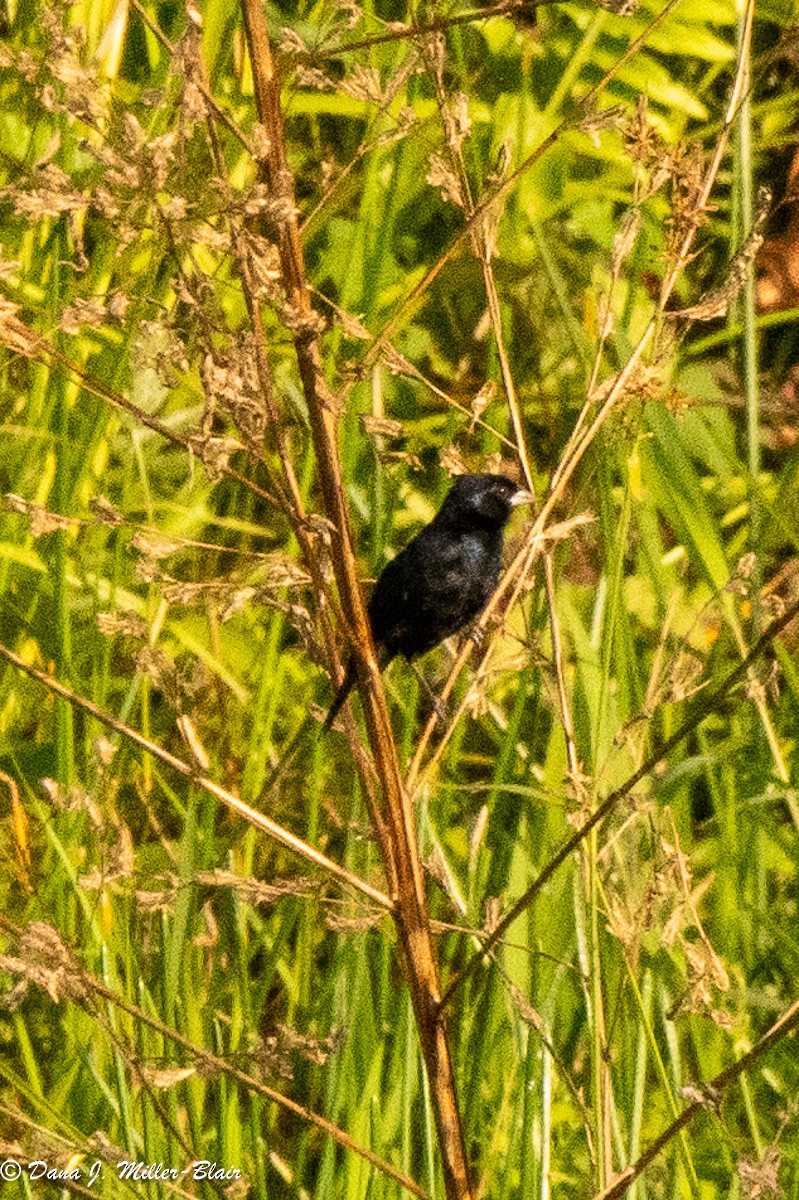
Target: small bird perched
(443,578)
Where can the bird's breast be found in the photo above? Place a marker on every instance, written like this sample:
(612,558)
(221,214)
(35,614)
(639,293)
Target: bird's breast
(440,583)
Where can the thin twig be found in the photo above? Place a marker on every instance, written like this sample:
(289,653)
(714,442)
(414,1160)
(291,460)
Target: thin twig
(414,297)
(258,819)
(397,834)
(201,84)
(20,338)
(507,8)
(581,440)
(711,1094)
(707,703)
(93,986)
(566,721)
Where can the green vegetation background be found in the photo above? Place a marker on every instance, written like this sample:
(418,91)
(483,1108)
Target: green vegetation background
(138,572)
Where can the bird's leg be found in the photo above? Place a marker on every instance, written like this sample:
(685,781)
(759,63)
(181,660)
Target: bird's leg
(439,707)
(478,634)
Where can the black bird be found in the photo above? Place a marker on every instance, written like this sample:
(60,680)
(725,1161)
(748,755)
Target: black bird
(443,578)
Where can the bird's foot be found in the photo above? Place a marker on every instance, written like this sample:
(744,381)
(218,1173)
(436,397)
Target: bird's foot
(479,635)
(436,703)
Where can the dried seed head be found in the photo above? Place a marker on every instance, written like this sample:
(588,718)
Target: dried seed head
(452,461)
(625,238)
(621,8)
(715,303)
(215,453)
(382,427)
(760,1179)
(45,961)
(105,512)
(363,84)
(441,176)
(686,670)
(642,141)
(113,624)
(41,520)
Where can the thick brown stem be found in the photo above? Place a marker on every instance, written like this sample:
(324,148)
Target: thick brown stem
(395,829)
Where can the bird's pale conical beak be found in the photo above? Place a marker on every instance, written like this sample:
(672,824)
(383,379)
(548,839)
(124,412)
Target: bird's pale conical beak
(522,497)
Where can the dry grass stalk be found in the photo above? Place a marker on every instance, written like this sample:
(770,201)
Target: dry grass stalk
(396,831)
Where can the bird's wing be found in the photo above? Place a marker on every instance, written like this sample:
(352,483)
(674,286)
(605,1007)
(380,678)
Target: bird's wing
(428,592)
(388,606)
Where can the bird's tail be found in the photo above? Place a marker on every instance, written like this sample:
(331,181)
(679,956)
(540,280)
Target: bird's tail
(341,695)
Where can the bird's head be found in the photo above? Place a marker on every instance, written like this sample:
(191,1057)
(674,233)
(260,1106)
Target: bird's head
(482,501)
